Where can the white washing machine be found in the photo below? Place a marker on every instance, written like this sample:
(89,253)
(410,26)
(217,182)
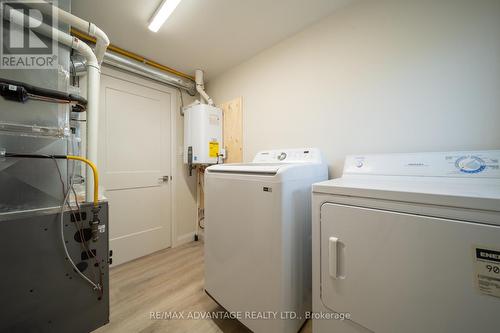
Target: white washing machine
(408,243)
(258,237)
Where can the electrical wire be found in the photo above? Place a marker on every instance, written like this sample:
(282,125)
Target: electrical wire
(66,195)
(83,243)
(60,175)
(182,98)
(68,157)
(182,102)
(77,224)
(68,257)
(89,253)
(201,216)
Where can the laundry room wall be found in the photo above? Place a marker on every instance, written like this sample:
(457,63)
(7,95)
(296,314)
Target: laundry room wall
(374,77)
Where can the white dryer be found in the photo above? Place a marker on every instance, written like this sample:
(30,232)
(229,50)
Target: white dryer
(409,243)
(258,237)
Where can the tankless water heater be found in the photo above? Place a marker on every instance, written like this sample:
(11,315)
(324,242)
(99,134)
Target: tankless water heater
(202,134)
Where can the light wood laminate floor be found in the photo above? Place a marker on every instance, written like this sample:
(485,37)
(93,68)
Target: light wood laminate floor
(166,281)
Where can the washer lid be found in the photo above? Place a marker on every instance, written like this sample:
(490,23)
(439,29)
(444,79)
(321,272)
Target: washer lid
(270,169)
(272,162)
(483,194)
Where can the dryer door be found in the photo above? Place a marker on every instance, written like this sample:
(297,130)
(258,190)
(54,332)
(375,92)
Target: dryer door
(396,272)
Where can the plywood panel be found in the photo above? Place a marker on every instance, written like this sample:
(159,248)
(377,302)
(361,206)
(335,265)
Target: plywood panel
(233,130)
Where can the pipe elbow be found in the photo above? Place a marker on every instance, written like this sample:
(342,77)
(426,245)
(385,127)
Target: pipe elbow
(102,42)
(101,35)
(204,95)
(200,87)
(85,51)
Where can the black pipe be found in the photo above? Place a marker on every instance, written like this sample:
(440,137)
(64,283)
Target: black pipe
(59,157)
(30,89)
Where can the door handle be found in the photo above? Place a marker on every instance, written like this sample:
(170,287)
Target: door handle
(164,179)
(333,256)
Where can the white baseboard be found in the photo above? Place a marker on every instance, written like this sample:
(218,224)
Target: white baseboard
(183,239)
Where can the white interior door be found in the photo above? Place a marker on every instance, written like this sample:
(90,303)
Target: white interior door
(134,158)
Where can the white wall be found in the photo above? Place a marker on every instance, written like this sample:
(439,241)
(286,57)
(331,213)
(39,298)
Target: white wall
(376,76)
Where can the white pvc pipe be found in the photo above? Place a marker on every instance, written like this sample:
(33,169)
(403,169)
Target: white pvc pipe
(93,83)
(93,86)
(102,40)
(20,19)
(200,86)
(94,60)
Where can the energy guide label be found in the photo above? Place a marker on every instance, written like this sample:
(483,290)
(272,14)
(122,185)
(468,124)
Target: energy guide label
(213,149)
(487,266)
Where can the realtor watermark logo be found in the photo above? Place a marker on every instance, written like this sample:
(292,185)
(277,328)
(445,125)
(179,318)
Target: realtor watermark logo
(27,34)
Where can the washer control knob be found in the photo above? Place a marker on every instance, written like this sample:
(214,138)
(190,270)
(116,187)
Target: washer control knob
(470,164)
(281,156)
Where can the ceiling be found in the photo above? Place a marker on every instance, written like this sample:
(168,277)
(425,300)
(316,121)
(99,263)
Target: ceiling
(213,35)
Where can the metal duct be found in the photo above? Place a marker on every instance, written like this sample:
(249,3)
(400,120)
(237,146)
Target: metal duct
(122,62)
(35,127)
(78,66)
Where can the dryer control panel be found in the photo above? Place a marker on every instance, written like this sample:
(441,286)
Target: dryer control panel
(300,155)
(481,164)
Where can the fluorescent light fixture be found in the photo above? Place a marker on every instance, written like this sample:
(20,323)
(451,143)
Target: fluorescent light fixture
(166,8)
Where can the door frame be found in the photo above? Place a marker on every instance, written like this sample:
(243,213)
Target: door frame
(174,107)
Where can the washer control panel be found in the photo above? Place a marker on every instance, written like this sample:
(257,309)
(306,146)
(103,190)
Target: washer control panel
(483,164)
(301,155)
(282,156)
(470,164)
